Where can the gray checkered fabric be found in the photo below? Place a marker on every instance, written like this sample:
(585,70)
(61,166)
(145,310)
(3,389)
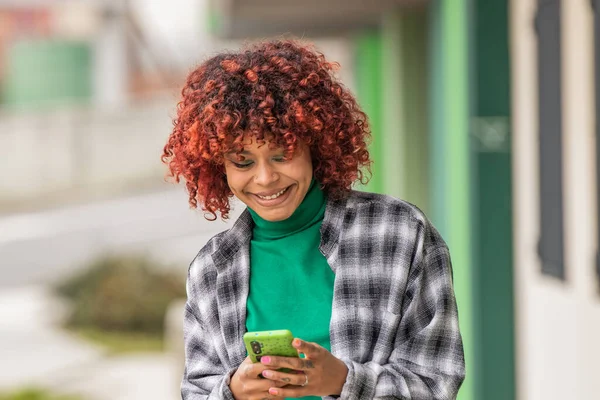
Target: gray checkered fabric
(394,319)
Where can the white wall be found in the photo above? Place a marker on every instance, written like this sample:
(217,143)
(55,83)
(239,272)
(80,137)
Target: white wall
(557,323)
(87,148)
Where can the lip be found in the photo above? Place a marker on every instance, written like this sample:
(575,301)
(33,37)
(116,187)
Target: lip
(271,193)
(272,202)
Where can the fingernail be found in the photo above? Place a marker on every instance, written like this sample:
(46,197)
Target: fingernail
(265,360)
(297,343)
(273,391)
(266,374)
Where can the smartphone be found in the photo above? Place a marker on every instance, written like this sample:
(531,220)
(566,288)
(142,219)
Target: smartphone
(269,343)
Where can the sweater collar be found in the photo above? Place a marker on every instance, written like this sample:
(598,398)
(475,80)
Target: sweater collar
(239,235)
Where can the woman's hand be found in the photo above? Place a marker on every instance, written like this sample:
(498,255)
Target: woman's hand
(320,373)
(247,383)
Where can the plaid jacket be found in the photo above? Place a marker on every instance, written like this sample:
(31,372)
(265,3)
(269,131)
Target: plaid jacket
(394,320)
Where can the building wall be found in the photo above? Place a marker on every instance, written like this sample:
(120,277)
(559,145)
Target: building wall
(450,169)
(557,322)
(81,151)
(491,211)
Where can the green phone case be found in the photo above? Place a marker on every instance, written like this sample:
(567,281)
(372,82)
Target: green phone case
(269,343)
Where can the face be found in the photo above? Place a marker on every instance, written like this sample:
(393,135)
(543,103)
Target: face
(263,179)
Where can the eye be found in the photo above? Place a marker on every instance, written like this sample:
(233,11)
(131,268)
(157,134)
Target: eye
(243,165)
(240,163)
(280,159)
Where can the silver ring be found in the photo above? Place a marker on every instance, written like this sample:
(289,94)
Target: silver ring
(306,381)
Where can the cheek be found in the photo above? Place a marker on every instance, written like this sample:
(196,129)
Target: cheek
(236,183)
(232,186)
(230,179)
(308,167)
(308,172)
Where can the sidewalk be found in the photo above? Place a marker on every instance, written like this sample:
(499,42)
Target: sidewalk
(35,352)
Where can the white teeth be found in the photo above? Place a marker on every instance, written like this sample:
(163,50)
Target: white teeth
(276,195)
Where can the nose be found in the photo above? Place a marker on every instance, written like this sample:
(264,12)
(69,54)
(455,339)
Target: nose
(265,174)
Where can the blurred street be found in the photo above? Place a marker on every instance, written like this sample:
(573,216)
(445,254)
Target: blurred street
(44,247)
(37,353)
(47,246)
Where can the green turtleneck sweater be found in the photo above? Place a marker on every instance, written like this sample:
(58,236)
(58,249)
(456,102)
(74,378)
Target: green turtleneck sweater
(291,284)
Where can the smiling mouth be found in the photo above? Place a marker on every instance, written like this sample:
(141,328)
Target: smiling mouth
(273,196)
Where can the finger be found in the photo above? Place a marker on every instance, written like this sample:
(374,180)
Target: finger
(269,396)
(278,384)
(289,391)
(286,378)
(264,395)
(274,362)
(309,349)
(246,370)
(247,361)
(257,386)
(252,370)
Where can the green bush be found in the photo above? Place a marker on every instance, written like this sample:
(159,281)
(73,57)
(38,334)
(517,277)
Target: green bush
(34,394)
(122,294)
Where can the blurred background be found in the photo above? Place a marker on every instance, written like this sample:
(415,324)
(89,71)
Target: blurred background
(483,114)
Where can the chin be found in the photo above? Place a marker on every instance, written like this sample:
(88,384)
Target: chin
(275,215)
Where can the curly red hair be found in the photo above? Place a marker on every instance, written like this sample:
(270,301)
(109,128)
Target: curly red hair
(279,91)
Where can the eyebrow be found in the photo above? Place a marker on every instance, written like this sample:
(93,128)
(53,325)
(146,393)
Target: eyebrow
(246,152)
(234,153)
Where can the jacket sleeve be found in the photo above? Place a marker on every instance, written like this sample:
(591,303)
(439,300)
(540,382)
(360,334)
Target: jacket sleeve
(204,375)
(427,361)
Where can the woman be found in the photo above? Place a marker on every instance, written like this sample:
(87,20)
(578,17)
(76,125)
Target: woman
(364,281)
